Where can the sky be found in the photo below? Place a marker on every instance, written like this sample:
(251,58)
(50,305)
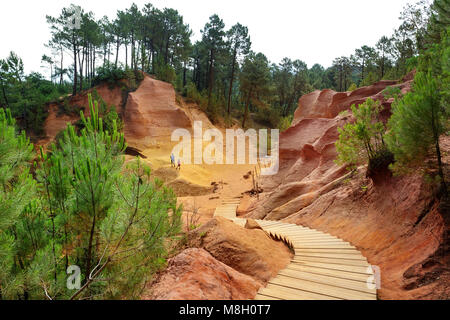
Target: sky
(315,31)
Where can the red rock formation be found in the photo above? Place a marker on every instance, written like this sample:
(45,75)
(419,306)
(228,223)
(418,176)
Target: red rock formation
(151,113)
(57,120)
(328,103)
(195,275)
(395,223)
(251,252)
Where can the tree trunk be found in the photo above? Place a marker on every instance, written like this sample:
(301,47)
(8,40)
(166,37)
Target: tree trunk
(117,51)
(247,105)
(61,68)
(4,94)
(126,56)
(133,53)
(89,252)
(75,75)
(109,52)
(211,79)
(166,54)
(81,69)
(93,66)
(230,90)
(184,74)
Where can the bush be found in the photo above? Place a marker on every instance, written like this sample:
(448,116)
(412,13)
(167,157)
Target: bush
(352,87)
(362,141)
(392,92)
(108,113)
(285,123)
(109,74)
(370,79)
(268,116)
(114,77)
(165,72)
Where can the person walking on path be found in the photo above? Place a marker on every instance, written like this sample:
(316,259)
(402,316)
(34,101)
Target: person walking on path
(172,160)
(179,164)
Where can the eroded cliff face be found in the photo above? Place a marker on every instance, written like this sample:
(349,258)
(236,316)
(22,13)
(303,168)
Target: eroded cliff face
(195,274)
(150,114)
(396,224)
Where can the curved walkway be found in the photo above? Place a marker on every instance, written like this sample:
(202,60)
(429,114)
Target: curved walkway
(323,268)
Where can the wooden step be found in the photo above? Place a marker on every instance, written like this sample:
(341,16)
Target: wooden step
(262,297)
(322,289)
(345,251)
(330,272)
(287,293)
(324,267)
(341,267)
(319,241)
(346,262)
(331,255)
(330,280)
(295,231)
(302,236)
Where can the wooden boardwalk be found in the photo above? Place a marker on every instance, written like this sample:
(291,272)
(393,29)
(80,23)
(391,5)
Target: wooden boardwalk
(323,267)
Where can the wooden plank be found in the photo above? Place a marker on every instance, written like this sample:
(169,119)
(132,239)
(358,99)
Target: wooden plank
(331,255)
(286,225)
(307,235)
(333,261)
(299,232)
(301,236)
(296,236)
(329,280)
(274,224)
(329,266)
(323,289)
(330,272)
(346,251)
(324,266)
(321,246)
(319,241)
(262,297)
(295,232)
(286,293)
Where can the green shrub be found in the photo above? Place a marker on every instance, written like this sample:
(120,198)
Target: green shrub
(165,72)
(370,79)
(109,74)
(392,92)
(362,141)
(352,87)
(268,116)
(285,123)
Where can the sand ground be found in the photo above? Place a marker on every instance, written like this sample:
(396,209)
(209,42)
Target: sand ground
(230,181)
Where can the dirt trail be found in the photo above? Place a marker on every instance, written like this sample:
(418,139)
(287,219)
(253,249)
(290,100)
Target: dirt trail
(217,181)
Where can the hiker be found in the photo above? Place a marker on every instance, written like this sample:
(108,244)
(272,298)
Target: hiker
(179,164)
(172,160)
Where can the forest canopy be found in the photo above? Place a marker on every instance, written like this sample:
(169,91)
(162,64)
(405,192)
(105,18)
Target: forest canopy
(212,71)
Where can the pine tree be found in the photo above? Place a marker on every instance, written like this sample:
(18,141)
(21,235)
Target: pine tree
(421,116)
(17,189)
(362,142)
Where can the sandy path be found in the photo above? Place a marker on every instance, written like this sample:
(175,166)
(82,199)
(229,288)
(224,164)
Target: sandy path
(230,179)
